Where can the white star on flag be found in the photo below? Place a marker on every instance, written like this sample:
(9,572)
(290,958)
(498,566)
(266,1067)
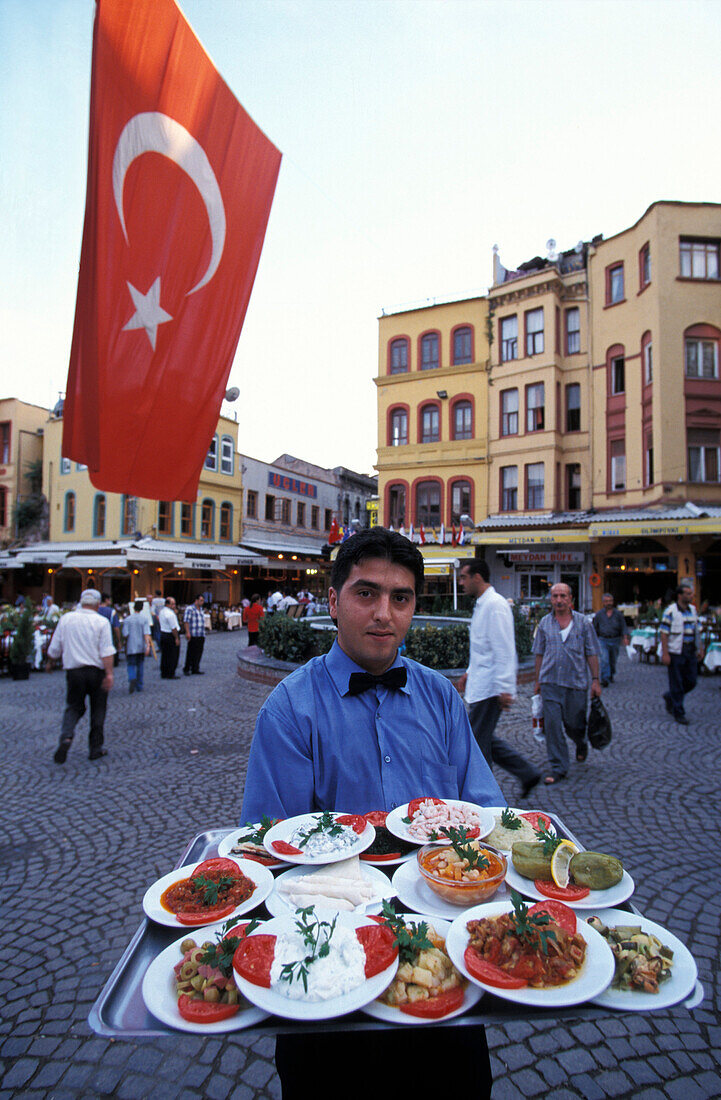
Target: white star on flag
(148,311)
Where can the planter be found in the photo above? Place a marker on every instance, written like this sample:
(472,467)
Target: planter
(20,672)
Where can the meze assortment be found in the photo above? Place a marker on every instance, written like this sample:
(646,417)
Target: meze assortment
(207,892)
(321,837)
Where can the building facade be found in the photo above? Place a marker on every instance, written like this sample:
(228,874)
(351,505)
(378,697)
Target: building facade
(21,448)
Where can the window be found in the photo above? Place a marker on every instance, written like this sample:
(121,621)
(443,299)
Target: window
(535,407)
(648,460)
(703,454)
(428,503)
(226,521)
(328,518)
(509,412)
(251,504)
(314,516)
(211,459)
(460,500)
(509,488)
(3,506)
(165,517)
(647,357)
(573,331)
(644,267)
(573,487)
(300,513)
(701,358)
(226,455)
(69,518)
(534,331)
(270,508)
(207,519)
(618,374)
(128,522)
(430,432)
(5,442)
(99,516)
(614,284)
(186,520)
(462,420)
(285,510)
(699,259)
(396,506)
(573,407)
(509,339)
(65,465)
(534,486)
(463,345)
(399,356)
(399,428)
(429,351)
(618,465)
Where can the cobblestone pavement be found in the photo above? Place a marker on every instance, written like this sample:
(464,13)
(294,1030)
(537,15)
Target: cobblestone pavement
(81,842)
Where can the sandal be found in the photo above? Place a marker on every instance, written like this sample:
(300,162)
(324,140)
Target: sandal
(550,779)
(582,752)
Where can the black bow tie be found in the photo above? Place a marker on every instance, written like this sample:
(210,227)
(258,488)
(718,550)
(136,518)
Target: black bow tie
(393,678)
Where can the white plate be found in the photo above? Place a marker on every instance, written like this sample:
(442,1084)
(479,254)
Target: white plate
(683,972)
(596,972)
(258,874)
(277,904)
(158,991)
(369,861)
(396,825)
(391,1015)
(285,829)
(595,899)
(498,810)
(414,891)
(276,1003)
(230,840)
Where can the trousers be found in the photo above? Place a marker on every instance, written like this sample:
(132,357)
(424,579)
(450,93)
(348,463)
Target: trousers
(682,676)
(169,653)
(484,717)
(563,708)
(609,657)
(82,682)
(136,668)
(193,653)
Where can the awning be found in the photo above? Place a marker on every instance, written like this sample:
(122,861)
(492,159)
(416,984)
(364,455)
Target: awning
(95,561)
(655,528)
(283,546)
(529,538)
(42,557)
(11,563)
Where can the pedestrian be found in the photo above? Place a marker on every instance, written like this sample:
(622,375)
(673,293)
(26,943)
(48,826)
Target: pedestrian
(286,602)
(252,616)
(137,646)
(194,620)
(156,606)
(107,610)
(169,640)
(489,682)
(566,648)
(681,648)
(273,600)
(610,626)
(84,641)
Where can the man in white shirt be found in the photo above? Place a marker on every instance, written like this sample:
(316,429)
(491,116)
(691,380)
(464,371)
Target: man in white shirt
(489,683)
(287,601)
(169,640)
(271,604)
(84,642)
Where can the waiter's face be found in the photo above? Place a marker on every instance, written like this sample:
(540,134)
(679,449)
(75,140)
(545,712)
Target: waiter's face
(373,610)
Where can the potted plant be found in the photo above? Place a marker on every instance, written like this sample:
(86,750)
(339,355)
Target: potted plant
(22,645)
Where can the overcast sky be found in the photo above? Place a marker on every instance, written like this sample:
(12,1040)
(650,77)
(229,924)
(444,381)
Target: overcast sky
(415,134)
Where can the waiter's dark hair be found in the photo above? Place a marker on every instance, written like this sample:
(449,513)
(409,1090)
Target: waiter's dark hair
(479,566)
(377,543)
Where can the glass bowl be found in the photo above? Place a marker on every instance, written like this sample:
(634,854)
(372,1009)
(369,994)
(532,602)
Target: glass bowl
(463,894)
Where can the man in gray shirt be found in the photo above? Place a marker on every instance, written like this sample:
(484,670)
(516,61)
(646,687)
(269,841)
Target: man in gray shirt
(137,646)
(565,647)
(610,626)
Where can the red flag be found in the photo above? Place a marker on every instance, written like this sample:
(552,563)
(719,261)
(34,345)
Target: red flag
(422,534)
(180,185)
(454,539)
(334,534)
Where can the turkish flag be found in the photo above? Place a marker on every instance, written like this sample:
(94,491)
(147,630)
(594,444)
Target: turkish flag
(180,185)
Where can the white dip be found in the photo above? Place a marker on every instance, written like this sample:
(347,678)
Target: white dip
(321,844)
(339,972)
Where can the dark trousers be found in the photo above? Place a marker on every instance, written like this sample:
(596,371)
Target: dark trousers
(252,637)
(82,682)
(484,717)
(385,1063)
(193,653)
(682,675)
(169,653)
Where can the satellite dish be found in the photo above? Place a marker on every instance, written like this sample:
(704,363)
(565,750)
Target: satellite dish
(579,248)
(232,394)
(551,246)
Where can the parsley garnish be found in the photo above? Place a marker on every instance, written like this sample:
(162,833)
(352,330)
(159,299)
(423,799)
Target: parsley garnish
(466,849)
(326,823)
(220,954)
(531,930)
(410,939)
(316,937)
(211,888)
(509,820)
(548,839)
(257,835)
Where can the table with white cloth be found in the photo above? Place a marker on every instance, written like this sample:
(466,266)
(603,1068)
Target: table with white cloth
(712,660)
(206,620)
(233,620)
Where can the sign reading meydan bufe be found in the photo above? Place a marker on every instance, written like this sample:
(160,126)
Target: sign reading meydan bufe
(292,484)
(544,557)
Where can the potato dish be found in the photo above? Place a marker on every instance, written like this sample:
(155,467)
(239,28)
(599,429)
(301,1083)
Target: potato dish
(426,976)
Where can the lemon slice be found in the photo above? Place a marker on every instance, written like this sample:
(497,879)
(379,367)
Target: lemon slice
(560,861)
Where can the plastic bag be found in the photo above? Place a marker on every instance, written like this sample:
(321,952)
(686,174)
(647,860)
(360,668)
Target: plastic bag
(537,719)
(598,725)
(633,654)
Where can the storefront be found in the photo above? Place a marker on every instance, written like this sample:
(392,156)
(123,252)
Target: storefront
(525,565)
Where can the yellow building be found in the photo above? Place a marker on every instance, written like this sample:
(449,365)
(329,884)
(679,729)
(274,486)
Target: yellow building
(21,445)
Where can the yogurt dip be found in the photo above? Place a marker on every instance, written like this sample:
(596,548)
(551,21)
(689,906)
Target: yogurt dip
(321,844)
(341,970)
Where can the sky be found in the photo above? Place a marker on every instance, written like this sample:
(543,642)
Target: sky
(415,134)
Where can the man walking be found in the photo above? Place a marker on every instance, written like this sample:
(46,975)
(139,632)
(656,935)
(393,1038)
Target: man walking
(137,646)
(681,648)
(490,680)
(610,626)
(564,645)
(194,620)
(169,640)
(84,642)
(107,610)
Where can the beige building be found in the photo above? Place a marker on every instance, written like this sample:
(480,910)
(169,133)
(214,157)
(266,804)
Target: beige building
(21,446)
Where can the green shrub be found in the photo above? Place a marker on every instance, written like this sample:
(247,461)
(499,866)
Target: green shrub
(523,628)
(324,640)
(21,647)
(438,646)
(286,639)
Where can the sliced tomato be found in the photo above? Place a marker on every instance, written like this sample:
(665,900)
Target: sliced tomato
(285,848)
(489,973)
(564,917)
(376,817)
(208,916)
(356,821)
(253,959)
(435,1007)
(379,945)
(385,858)
(537,819)
(204,1012)
(415,803)
(219,865)
(560,893)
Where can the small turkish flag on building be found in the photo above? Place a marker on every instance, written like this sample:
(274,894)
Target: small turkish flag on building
(180,185)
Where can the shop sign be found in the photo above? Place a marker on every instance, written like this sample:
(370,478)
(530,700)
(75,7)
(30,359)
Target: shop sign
(436,570)
(652,529)
(546,557)
(526,538)
(292,485)
(198,563)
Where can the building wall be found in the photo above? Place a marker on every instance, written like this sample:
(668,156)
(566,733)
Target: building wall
(21,427)
(308,486)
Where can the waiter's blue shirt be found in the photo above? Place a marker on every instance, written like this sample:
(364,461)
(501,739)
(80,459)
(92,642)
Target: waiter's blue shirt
(316,747)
